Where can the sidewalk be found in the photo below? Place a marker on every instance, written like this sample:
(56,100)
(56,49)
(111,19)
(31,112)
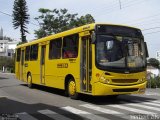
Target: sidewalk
(153,91)
(7,73)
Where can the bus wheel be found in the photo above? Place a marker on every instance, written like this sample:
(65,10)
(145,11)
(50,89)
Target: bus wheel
(72,89)
(29,81)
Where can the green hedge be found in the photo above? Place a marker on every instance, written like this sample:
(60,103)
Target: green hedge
(153,82)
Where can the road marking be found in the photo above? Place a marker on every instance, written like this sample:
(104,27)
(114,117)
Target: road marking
(103,110)
(83,113)
(151,93)
(156,102)
(25,116)
(142,106)
(135,110)
(53,115)
(148,103)
(74,110)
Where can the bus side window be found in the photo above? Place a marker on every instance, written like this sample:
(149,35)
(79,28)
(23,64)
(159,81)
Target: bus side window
(27,53)
(18,54)
(55,49)
(70,46)
(34,52)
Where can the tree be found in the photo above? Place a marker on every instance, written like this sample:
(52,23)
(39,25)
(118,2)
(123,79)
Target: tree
(20,17)
(7,62)
(154,62)
(85,20)
(55,21)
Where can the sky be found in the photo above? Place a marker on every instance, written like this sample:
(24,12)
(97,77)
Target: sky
(143,14)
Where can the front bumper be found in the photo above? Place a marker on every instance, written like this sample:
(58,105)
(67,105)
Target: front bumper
(101,89)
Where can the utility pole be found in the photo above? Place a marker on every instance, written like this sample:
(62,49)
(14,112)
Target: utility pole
(120,4)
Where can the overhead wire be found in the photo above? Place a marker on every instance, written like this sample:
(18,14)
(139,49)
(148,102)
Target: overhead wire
(12,16)
(109,8)
(5,13)
(152,28)
(151,32)
(122,5)
(133,3)
(150,22)
(114,6)
(141,19)
(111,5)
(152,16)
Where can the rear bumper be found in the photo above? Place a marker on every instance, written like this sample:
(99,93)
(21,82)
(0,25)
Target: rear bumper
(106,89)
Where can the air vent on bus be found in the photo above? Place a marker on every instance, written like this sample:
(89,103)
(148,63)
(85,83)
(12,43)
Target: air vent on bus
(124,80)
(126,90)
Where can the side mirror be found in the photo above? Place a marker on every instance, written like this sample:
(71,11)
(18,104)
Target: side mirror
(93,37)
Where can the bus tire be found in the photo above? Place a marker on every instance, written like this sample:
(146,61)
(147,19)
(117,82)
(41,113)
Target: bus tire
(29,80)
(72,89)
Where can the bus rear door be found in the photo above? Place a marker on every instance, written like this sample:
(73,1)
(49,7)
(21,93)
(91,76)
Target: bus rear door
(22,67)
(42,64)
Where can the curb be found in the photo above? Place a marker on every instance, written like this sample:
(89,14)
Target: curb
(7,73)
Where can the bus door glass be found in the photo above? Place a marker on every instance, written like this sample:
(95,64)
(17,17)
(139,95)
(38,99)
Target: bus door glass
(22,70)
(42,64)
(18,55)
(86,65)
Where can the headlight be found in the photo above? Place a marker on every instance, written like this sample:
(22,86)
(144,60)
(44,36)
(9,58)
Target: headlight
(104,80)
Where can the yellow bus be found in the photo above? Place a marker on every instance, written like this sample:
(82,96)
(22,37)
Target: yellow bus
(94,59)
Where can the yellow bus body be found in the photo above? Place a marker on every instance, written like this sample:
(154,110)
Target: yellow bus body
(55,72)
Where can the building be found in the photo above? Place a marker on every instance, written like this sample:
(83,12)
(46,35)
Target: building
(7,48)
(152,72)
(1,33)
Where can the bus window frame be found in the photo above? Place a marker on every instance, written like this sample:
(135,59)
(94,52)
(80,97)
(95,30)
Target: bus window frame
(18,56)
(51,51)
(27,58)
(33,52)
(74,53)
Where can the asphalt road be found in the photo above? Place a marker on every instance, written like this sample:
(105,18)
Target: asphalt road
(18,102)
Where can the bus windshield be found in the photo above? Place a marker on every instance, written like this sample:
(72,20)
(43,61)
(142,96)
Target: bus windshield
(118,52)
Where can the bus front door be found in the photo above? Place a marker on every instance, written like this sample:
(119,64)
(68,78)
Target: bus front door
(42,64)
(86,65)
(22,69)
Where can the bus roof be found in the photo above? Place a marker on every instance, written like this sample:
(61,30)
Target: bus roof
(69,32)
